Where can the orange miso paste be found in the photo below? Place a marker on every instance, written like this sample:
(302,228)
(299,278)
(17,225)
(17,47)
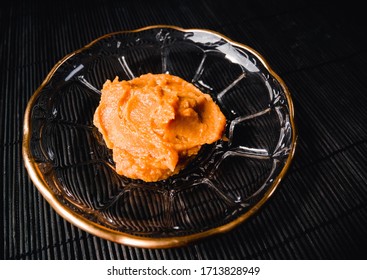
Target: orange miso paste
(155,123)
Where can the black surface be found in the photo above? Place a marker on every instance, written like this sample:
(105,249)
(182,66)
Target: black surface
(319,50)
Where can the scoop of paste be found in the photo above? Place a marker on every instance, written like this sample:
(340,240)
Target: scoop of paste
(154,123)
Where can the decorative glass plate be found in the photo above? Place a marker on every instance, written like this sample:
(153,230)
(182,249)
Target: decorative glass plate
(225,184)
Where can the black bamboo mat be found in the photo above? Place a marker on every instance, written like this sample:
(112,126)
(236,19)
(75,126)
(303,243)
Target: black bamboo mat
(319,50)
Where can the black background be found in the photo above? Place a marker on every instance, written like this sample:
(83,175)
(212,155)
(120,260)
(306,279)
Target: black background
(318,49)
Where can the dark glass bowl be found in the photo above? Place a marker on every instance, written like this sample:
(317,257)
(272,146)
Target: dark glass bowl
(224,185)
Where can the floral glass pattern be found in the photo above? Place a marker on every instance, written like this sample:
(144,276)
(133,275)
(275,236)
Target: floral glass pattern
(225,184)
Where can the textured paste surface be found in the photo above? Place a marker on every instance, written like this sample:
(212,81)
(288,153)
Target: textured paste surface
(155,123)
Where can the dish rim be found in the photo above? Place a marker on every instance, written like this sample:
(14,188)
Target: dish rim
(122,237)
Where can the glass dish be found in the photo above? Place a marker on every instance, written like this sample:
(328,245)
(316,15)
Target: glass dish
(226,183)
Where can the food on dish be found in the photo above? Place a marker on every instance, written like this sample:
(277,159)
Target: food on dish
(155,124)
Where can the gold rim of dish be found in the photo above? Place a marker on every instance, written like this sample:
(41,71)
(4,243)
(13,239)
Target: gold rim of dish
(125,238)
